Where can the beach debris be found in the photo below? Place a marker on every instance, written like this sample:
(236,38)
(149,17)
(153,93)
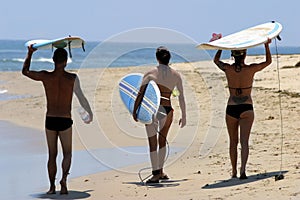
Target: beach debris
(270,117)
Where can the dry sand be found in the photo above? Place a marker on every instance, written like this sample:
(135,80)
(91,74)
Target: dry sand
(200,167)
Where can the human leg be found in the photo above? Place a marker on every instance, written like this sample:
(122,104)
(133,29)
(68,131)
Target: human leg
(162,138)
(51,137)
(232,128)
(66,142)
(246,122)
(151,130)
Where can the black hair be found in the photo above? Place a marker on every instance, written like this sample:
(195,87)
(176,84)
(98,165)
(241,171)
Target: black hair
(163,55)
(60,55)
(238,55)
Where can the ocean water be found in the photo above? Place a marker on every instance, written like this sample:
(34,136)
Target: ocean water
(109,54)
(12,54)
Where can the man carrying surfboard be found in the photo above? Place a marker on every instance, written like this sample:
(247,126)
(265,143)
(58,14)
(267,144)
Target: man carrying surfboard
(239,111)
(167,79)
(59,86)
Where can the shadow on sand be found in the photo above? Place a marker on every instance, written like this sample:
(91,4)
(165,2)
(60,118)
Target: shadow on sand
(72,195)
(235,181)
(162,183)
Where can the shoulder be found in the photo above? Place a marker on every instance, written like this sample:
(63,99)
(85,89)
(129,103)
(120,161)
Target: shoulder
(224,66)
(38,75)
(257,66)
(44,72)
(71,75)
(176,73)
(150,75)
(152,71)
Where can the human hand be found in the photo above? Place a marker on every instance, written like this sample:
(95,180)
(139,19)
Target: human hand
(90,119)
(268,41)
(215,36)
(182,122)
(134,115)
(31,49)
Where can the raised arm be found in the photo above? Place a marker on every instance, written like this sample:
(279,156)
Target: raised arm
(182,121)
(218,62)
(38,76)
(82,99)
(262,65)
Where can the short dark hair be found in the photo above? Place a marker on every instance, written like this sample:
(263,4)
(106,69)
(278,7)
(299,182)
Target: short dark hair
(163,55)
(60,55)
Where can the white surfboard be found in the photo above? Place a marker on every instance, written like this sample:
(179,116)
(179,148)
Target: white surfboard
(245,39)
(69,42)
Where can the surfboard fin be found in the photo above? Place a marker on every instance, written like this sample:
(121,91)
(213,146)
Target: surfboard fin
(69,47)
(82,45)
(278,37)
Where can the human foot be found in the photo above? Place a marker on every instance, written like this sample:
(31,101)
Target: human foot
(243,176)
(164,176)
(51,190)
(233,174)
(153,179)
(64,189)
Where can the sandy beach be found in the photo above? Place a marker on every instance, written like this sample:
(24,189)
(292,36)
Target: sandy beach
(110,152)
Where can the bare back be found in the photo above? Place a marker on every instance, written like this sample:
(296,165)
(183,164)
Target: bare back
(240,84)
(166,78)
(59,93)
(240,76)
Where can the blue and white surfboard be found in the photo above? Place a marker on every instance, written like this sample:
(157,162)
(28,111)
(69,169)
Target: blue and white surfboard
(129,87)
(70,42)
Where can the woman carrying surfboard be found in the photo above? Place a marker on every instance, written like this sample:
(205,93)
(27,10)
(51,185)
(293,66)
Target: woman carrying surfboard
(239,111)
(167,79)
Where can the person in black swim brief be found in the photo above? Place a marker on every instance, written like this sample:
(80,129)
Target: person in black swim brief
(59,87)
(166,79)
(236,110)
(239,111)
(163,111)
(58,123)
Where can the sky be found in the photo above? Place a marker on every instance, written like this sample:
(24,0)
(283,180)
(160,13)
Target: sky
(99,20)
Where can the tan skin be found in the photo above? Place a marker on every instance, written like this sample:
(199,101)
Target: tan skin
(167,79)
(59,86)
(241,79)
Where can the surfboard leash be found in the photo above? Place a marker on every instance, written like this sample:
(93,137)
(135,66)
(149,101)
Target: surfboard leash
(280,176)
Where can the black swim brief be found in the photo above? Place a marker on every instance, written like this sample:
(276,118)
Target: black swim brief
(163,111)
(236,110)
(58,123)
